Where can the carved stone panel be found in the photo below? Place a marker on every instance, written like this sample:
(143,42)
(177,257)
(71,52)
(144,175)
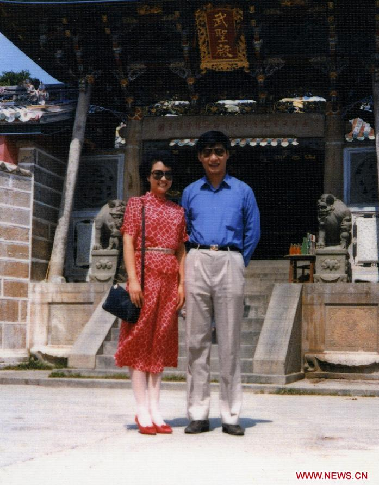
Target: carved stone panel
(331,265)
(351,328)
(103,265)
(367,240)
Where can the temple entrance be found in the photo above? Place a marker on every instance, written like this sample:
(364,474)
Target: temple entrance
(287,183)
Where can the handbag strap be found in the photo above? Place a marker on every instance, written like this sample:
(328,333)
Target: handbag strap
(143,246)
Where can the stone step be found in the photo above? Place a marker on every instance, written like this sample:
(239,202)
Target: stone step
(262,287)
(249,326)
(268,265)
(261,277)
(256,305)
(106,362)
(246,365)
(117,372)
(262,284)
(248,337)
(109,349)
(248,323)
(245,377)
(246,351)
(267,274)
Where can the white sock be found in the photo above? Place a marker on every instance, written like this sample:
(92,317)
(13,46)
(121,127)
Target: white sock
(139,385)
(153,390)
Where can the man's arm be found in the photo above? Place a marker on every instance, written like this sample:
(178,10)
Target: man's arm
(252,231)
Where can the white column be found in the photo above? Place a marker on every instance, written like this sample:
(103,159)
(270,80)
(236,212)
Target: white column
(56,268)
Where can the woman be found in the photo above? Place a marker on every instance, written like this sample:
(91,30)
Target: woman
(152,343)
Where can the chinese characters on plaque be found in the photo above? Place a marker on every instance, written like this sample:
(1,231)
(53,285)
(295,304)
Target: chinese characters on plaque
(222,46)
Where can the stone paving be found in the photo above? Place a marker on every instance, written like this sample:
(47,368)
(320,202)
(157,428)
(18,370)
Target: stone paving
(86,435)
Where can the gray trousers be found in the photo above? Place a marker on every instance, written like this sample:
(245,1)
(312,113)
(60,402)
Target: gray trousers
(214,284)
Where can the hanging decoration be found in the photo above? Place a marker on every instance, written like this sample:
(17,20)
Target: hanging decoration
(331,65)
(301,104)
(333,72)
(374,62)
(222,45)
(262,68)
(242,142)
(133,71)
(149,10)
(183,68)
(120,135)
(360,130)
(259,71)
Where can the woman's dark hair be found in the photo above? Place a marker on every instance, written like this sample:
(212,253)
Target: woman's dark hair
(153,156)
(212,138)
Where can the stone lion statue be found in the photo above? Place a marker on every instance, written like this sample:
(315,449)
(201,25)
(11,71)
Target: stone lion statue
(108,224)
(334,222)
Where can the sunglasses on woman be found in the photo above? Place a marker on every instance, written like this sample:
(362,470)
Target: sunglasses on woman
(158,174)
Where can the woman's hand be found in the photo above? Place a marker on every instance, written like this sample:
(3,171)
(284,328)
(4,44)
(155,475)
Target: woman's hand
(135,293)
(180,300)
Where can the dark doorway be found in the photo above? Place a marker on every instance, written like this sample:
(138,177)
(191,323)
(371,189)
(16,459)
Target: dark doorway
(287,183)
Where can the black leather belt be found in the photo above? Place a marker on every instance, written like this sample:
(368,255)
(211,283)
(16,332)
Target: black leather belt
(214,247)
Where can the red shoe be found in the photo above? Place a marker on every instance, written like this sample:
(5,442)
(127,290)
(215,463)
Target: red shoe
(145,429)
(164,429)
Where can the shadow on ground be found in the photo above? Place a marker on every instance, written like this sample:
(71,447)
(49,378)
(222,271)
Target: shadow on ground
(213,422)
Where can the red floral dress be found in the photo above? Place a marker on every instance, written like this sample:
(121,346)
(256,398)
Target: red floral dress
(152,343)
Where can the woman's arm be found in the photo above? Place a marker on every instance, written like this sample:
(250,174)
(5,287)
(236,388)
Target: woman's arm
(135,291)
(180,255)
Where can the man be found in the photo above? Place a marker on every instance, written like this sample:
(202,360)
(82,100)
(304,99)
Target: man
(223,221)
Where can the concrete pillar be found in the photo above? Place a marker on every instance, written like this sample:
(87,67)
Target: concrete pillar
(375,92)
(56,268)
(333,169)
(132,185)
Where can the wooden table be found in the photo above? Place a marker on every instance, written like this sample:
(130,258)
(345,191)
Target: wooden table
(294,259)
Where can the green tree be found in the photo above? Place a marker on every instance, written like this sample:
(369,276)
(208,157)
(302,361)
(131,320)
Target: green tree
(11,78)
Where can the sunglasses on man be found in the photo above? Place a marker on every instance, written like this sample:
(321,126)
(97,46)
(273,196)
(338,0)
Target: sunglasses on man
(158,174)
(219,152)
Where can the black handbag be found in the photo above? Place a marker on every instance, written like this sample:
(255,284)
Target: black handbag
(118,301)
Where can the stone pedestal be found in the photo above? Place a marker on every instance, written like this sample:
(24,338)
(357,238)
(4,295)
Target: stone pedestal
(332,265)
(58,314)
(103,265)
(340,330)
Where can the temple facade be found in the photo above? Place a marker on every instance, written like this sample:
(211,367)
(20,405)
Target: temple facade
(293,83)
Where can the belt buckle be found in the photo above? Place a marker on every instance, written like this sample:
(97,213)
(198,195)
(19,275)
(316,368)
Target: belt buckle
(213,247)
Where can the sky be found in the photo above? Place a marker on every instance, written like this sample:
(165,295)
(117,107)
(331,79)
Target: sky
(13,59)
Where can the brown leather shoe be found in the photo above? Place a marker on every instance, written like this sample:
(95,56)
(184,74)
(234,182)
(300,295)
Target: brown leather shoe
(234,429)
(198,426)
